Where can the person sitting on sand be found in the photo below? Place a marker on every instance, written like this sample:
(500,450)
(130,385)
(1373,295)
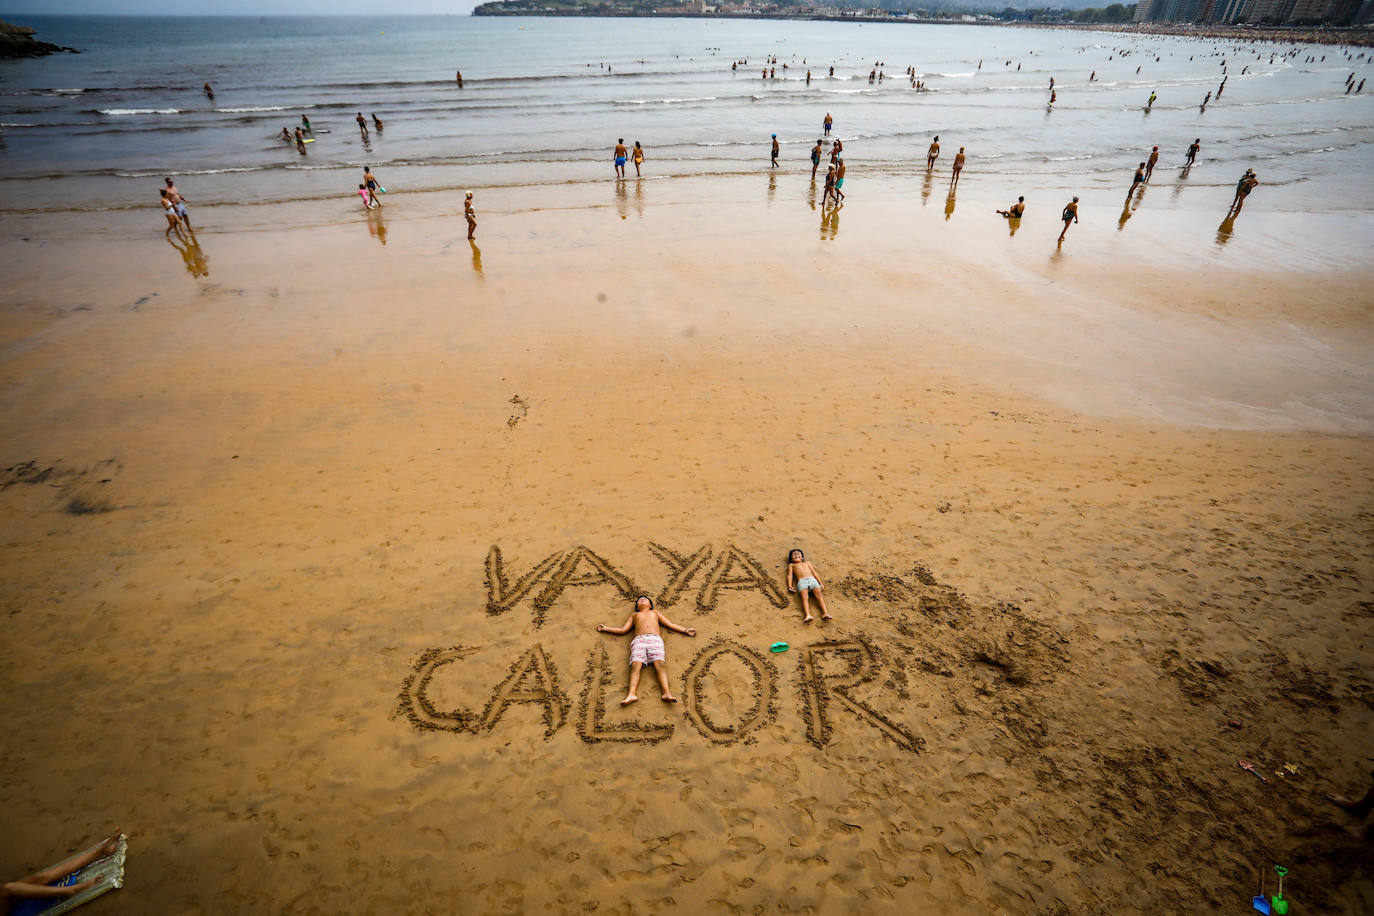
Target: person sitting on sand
(647,646)
(1016,210)
(36,892)
(1360,809)
(801,577)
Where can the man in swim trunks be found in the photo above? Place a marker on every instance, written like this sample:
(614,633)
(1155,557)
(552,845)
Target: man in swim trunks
(362,123)
(1150,163)
(178,202)
(839,180)
(775,151)
(1136,181)
(647,646)
(300,140)
(829,121)
(1016,210)
(1192,152)
(932,154)
(619,156)
(1070,216)
(815,159)
(1247,183)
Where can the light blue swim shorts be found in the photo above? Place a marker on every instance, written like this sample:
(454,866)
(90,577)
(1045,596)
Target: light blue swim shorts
(808,582)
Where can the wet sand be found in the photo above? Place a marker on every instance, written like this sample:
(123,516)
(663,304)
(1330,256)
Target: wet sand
(1073,518)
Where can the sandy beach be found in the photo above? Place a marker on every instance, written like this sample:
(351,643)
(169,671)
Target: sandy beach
(303,558)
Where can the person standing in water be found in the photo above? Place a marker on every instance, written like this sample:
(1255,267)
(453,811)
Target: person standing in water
(1151,104)
(1070,215)
(1136,181)
(619,157)
(178,202)
(1243,188)
(377,123)
(362,123)
(638,157)
(775,151)
(1192,152)
(839,180)
(209,93)
(458,75)
(305,124)
(374,186)
(470,214)
(933,153)
(958,167)
(300,141)
(1150,163)
(829,121)
(815,158)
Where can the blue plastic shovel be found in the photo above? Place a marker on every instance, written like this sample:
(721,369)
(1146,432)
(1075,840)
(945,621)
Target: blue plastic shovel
(1260,902)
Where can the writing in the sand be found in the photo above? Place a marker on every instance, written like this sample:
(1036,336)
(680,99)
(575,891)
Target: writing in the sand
(533,679)
(827,671)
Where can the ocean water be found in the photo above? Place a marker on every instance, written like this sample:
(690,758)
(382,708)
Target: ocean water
(545,99)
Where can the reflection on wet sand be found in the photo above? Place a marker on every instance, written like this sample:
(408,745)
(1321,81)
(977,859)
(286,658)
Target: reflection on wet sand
(925,187)
(1224,231)
(622,199)
(811,195)
(949,204)
(1125,215)
(476,257)
(376,225)
(772,187)
(1013,223)
(197,264)
(830,222)
(639,198)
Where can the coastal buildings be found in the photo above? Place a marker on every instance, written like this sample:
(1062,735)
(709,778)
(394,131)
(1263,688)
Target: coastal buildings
(1258,12)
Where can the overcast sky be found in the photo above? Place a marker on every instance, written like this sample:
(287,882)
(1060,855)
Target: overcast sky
(234,7)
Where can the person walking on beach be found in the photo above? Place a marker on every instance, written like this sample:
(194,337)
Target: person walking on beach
(619,157)
(179,203)
(839,180)
(1150,163)
(362,124)
(1136,181)
(1246,184)
(1151,104)
(1192,152)
(51,884)
(829,185)
(802,578)
(366,195)
(815,158)
(775,151)
(932,154)
(1070,215)
(470,214)
(638,157)
(647,646)
(1016,210)
(173,221)
(958,167)
(374,187)
(829,121)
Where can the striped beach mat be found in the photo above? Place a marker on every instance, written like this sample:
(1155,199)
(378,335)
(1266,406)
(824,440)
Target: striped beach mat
(112,867)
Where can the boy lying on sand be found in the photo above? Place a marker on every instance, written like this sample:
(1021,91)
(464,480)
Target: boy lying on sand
(801,576)
(647,646)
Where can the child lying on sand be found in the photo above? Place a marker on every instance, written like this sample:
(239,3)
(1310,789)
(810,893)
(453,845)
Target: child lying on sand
(647,646)
(803,574)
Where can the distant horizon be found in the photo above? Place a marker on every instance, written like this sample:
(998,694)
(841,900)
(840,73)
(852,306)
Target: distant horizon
(249,8)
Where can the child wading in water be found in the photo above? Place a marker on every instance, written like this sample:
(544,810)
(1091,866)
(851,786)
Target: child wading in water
(801,577)
(647,646)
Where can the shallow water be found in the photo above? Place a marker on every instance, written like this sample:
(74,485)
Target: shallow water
(545,99)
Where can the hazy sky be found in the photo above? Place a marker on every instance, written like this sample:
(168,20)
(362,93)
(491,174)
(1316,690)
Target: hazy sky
(15,8)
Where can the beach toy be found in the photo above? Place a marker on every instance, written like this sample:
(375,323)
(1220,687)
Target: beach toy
(1260,902)
(1280,905)
(778,647)
(111,868)
(1246,765)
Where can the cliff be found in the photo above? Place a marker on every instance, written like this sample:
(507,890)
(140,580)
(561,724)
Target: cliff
(18,41)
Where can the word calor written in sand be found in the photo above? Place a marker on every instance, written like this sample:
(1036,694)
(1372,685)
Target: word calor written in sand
(827,673)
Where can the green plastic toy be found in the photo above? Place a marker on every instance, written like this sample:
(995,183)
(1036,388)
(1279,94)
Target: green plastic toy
(1280,905)
(778,647)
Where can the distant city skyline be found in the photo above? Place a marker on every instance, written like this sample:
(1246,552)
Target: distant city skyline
(23,8)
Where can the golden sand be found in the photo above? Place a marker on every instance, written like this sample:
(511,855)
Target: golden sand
(302,562)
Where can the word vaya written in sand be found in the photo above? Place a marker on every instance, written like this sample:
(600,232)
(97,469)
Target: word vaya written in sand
(827,671)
